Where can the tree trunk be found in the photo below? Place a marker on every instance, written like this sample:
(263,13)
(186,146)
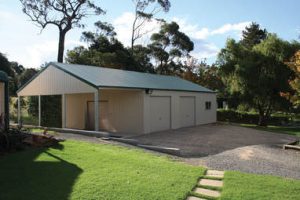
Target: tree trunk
(262,120)
(61,46)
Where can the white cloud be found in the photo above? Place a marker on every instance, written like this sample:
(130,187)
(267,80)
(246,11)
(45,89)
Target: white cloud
(239,27)
(203,33)
(200,36)
(36,54)
(24,43)
(123,27)
(204,50)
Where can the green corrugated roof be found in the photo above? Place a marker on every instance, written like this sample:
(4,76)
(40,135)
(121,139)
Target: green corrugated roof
(3,76)
(107,77)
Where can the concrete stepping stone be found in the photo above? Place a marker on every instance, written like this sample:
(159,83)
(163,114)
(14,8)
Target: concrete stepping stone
(207,192)
(194,198)
(215,173)
(209,182)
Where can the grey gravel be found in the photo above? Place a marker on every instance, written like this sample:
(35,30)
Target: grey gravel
(222,147)
(257,159)
(227,147)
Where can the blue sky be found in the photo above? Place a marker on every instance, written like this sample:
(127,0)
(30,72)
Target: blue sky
(208,22)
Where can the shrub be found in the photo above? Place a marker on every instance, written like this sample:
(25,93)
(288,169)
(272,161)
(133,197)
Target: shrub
(11,140)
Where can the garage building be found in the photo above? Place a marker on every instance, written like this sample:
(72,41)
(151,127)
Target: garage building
(96,98)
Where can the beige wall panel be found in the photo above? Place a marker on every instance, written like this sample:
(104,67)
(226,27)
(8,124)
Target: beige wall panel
(53,81)
(204,116)
(125,111)
(76,110)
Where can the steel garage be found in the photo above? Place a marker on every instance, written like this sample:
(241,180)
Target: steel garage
(96,98)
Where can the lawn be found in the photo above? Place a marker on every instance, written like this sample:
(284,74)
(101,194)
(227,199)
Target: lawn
(242,186)
(278,129)
(79,170)
(39,130)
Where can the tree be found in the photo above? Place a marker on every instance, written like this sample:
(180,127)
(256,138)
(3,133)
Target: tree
(168,46)
(294,96)
(142,58)
(258,75)
(209,77)
(5,65)
(253,35)
(26,75)
(11,69)
(104,50)
(145,10)
(64,14)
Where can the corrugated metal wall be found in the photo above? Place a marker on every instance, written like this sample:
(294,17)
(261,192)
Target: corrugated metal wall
(124,112)
(187,109)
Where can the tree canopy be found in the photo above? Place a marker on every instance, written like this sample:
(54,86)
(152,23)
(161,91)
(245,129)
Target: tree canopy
(257,75)
(168,46)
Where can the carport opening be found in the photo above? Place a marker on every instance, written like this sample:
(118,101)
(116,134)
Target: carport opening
(51,111)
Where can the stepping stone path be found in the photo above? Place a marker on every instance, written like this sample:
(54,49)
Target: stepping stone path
(212,179)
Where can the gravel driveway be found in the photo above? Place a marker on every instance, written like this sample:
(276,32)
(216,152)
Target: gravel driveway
(226,147)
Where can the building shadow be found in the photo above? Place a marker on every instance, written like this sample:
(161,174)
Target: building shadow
(24,176)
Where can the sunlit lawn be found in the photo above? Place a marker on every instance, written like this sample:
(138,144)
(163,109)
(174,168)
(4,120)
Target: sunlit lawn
(79,170)
(242,186)
(278,129)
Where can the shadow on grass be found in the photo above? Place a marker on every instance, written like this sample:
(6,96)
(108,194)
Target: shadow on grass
(25,176)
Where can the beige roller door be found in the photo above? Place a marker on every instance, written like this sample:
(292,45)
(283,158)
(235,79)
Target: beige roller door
(160,113)
(187,111)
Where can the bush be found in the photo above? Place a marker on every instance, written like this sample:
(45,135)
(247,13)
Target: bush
(248,118)
(11,140)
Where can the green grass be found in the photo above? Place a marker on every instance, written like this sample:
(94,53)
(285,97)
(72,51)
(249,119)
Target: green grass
(39,130)
(278,129)
(79,170)
(241,186)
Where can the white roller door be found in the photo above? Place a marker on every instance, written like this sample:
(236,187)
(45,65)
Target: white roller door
(160,113)
(187,111)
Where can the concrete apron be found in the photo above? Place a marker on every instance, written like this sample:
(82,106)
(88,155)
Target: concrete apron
(110,136)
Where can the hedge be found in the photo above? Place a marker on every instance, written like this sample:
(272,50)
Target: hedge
(248,118)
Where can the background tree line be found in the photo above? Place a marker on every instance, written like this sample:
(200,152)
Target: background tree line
(258,72)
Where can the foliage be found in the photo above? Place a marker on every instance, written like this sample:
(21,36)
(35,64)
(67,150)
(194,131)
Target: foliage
(107,172)
(51,111)
(257,75)
(168,46)
(294,96)
(242,186)
(209,76)
(33,109)
(65,15)
(142,57)
(105,50)
(245,117)
(26,75)
(145,11)
(253,35)
(11,140)
(290,130)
